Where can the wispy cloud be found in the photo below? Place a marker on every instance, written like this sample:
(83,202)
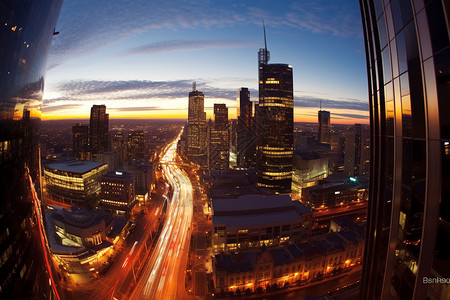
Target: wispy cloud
(86,26)
(178,45)
(140,108)
(306,101)
(49,109)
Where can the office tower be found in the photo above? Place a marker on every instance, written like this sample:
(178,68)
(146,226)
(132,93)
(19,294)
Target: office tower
(219,149)
(98,129)
(197,130)
(275,125)
(25,262)
(119,145)
(352,151)
(117,193)
(80,136)
(324,127)
(408,228)
(246,138)
(136,146)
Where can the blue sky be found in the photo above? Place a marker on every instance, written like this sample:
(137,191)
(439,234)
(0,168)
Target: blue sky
(140,57)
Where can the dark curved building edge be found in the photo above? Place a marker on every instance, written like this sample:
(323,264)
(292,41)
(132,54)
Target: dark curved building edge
(408,69)
(26,31)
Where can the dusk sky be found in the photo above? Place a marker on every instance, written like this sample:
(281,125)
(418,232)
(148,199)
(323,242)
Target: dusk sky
(140,57)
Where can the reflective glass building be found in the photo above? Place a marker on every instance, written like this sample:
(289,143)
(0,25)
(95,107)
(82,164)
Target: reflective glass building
(275,127)
(324,127)
(26,31)
(246,138)
(408,229)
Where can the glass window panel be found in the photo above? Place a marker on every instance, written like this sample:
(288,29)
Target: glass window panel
(390,23)
(378,7)
(386,65)
(398,107)
(406,116)
(389,106)
(401,50)
(407,13)
(417,101)
(397,15)
(394,58)
(382,32)
(442,68)
(424,35)
(412,51)
(438,26)
(404,83)
(418,5)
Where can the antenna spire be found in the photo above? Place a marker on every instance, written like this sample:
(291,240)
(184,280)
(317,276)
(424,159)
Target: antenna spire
(320,104)
(194,86)
(265,42)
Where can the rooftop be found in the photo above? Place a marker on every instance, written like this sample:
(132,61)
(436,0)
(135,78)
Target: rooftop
(74,166)
(288,216)
(250,203)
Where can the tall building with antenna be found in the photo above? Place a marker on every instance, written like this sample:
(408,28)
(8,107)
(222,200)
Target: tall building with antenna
(197,130)
(274,124)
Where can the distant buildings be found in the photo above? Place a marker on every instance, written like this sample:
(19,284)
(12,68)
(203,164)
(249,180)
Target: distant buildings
(246,137)
(274,122)
(75,182)
(197,129)
(309,168)
(219,139)
(254,220)
(356,153)
(98,129)
(80,136)
(143,177)
(324,127)
(119,145)
(336,194)
(136,149)
(117,193)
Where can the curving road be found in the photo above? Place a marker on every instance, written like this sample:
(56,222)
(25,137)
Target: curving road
(164,273)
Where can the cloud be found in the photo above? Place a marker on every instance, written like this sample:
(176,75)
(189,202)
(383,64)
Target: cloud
(351,116)
(86,26)
(48,109)
(140,108)
(307,101)
(177,45)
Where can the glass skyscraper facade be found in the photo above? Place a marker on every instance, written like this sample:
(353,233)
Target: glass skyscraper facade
(98,129)
(26,31)
(274,127)
(196,130)
(408,229)
(324,126)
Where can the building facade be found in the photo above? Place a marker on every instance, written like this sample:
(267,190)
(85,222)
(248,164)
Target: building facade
(98,129)
(246,138)
(74,182)
(80,137)
(219,139)
(26,35)
(252,221)
(408,69)
(117,192)
(275,126)
(324,127)
(197,129)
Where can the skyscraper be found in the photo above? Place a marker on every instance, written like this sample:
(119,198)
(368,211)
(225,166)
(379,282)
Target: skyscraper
(274,125)
(26,270)
(408,229)
(324,127)
(352,152)
(246,138)
(80,137)
(219,149)
(98,129)
(197,130)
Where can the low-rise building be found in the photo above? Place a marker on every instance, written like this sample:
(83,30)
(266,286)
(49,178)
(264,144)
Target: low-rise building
(255,220)
(336,193)
(288,265)
(79,236)
(117,192)
(73,181)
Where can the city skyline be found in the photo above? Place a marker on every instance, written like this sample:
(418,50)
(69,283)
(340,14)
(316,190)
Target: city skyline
(143,68)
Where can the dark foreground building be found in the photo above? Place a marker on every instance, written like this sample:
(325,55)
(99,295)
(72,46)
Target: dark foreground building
(407,253)
(26,33)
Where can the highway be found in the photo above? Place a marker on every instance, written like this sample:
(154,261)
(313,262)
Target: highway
(164,272)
